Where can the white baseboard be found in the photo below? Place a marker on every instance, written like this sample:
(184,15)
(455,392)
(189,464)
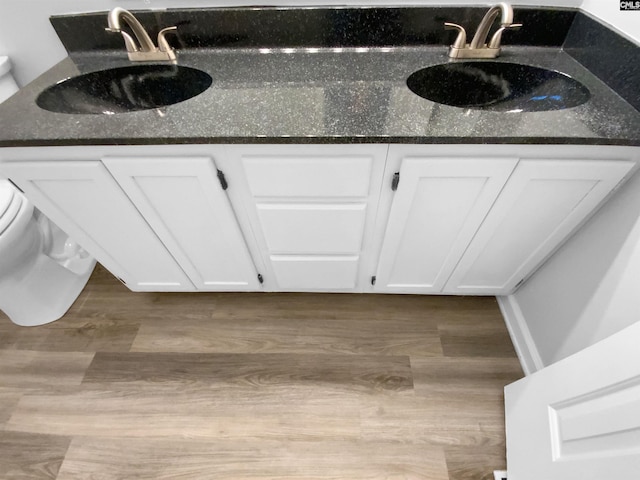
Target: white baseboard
(500,475)
(520,335)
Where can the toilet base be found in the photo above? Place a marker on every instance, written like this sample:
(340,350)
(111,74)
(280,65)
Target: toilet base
(33,301)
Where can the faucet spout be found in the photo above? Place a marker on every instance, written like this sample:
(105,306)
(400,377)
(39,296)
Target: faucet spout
(116,16)
(479,47)
(506,19)
(144,49)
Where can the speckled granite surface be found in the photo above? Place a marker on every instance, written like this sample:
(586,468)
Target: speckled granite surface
(324,75)
(326,96)
(609,56)
(241,27)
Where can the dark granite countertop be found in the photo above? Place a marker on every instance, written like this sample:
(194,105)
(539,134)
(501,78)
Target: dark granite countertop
(302,95)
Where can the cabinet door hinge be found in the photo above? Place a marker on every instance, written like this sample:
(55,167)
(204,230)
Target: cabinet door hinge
(260,278)
(223,180)
(395,181)
(373,280)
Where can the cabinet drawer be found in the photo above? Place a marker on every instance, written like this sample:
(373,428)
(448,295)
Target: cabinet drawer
(343,176)
(313,228)
(315,272)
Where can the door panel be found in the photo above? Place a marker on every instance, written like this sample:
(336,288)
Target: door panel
(84,200)
(439,205)
(184,203)
(543,202)
(578,419)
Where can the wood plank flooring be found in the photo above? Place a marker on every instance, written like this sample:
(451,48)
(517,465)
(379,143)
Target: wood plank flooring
(256,386)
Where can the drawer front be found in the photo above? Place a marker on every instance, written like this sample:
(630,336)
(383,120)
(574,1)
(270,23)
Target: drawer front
(313,228)
(344,176)
(315,272)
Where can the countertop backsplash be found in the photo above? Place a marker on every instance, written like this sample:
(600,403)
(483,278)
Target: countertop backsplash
(277,27)
(609,56)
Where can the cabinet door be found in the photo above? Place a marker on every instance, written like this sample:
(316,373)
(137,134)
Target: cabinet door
(312,210)
(84,200)
(438,207)
(543,202)
(185,204)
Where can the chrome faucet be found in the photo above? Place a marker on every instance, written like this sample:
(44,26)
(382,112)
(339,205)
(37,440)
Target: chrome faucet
(479,48)
(144,50)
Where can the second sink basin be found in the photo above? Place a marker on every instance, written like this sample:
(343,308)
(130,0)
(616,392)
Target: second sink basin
(499,86)
(125,89)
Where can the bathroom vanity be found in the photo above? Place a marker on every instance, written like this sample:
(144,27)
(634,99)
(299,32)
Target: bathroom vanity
(318,169)
(366,218)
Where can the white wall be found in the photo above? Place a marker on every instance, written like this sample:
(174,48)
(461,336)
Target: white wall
(590,288)
(27,37)
(626,22)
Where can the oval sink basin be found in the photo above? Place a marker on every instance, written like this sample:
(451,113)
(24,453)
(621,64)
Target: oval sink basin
(126,89)
(498,86)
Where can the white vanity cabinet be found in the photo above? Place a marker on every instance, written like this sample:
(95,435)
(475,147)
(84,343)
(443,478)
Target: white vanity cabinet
(311,209)
(183,199)
(83,199)
(452,219)
(438,206)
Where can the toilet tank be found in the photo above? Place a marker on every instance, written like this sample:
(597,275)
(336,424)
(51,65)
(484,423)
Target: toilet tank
(8,85)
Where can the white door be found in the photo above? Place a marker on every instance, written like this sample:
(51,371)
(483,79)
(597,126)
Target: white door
(543,202)
(84,200)
(436,210)
(186,205)
(578,419)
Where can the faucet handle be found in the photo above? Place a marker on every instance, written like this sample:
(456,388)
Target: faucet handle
(163,45)
(497,37)
(461,39)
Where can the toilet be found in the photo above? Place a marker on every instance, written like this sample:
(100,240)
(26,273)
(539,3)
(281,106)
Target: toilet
(42,270)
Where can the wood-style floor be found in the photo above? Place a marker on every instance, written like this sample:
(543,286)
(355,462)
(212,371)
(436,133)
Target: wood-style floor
(256,386)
